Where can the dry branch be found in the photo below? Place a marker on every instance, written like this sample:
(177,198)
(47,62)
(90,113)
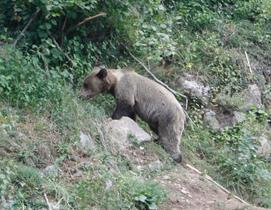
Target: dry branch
(64,23)
(26,27)
(47,201)
(60,49)
(217,184)
(86,20)
(248,63)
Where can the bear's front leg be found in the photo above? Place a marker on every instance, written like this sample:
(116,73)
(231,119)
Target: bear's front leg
(123,109)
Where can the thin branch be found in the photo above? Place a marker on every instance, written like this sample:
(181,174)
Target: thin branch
(86,20)
(58,203)
(60,49)
(248,63)
(64,23)
(44,61)
(47,201)
(26,27)
(217,184)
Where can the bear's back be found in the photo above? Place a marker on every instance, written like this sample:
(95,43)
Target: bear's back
(152,100)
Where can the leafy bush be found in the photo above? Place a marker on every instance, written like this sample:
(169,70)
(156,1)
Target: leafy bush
(239,165)
(24,82)
(235,162)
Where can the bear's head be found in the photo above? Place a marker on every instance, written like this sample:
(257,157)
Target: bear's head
(97,82)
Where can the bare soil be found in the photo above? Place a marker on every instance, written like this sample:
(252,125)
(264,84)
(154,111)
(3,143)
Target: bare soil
(191,191)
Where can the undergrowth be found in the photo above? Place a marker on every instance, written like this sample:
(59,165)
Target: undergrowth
(41,116)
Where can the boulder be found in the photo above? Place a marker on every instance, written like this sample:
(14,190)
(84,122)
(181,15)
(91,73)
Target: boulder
(242,101)
(251,97)
(221,119)
(194,87)
(120,132)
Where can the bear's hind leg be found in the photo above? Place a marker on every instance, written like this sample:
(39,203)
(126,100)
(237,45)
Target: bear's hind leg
(170,141)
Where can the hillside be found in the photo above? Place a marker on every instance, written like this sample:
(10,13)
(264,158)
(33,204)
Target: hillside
(56,151)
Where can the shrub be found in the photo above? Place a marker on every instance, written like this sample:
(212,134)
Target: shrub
(240,166)
(24,82)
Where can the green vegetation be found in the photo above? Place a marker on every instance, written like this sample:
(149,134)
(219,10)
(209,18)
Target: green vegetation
(41,116)
(232,153)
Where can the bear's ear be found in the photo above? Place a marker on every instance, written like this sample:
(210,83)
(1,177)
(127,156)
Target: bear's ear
(102,73)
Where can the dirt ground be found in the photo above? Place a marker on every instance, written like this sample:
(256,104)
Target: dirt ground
(191,191)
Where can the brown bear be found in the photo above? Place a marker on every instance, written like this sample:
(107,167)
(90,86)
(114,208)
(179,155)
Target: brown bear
(138,95)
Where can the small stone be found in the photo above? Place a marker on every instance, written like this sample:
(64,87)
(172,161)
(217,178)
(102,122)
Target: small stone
(238,117)
(155,165)
(166,177)
(108,184)
(210,120)
(51,170)
(86,143)
(78,174)
(139,167)
(21,136)
(265,147)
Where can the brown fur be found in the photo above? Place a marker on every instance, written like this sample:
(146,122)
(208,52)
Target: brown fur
(138,95)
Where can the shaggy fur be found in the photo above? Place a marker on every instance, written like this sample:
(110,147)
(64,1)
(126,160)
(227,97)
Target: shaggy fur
(138,95)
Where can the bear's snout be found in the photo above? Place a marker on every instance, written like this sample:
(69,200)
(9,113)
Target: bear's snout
(84,95)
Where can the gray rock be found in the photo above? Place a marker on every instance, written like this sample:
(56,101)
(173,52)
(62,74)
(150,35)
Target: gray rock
(251,98)
(86,143)
(108,184)
(119,132)
(21,136)
(265,147)
(210,120)
(221,119)
(242,101)
(238,117)
(194,87)
(51,170)
(155,165)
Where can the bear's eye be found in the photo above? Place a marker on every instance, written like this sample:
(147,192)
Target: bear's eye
(85,85)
